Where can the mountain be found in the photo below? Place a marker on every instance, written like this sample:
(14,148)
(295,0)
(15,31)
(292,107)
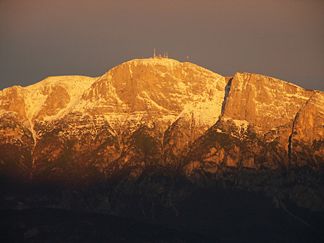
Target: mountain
(158,113)
(157,150)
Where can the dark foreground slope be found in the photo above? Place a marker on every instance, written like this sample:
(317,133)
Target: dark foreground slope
(223,221)
(159,208)
(57,225)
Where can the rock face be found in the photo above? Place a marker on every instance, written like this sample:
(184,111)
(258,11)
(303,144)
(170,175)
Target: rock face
(263,101)
(307,138)
(158,112)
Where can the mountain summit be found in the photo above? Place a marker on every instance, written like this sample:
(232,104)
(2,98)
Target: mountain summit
(158,112)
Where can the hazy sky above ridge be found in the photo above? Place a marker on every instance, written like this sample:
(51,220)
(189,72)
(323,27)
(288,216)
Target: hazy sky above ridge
(283,39)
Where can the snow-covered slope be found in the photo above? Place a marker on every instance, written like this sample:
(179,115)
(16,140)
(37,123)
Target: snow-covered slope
(46,99)
(158,87)
(140,87)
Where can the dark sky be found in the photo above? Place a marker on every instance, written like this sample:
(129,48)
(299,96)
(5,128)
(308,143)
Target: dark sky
(280,38)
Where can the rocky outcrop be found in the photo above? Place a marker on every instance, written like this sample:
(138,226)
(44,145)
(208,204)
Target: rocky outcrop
(158,112)
(263,101)
(307,137)
(16,145)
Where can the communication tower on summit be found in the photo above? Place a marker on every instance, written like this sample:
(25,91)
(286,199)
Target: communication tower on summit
(165,54)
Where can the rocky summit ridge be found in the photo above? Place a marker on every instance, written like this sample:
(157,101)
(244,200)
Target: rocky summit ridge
(158,112)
